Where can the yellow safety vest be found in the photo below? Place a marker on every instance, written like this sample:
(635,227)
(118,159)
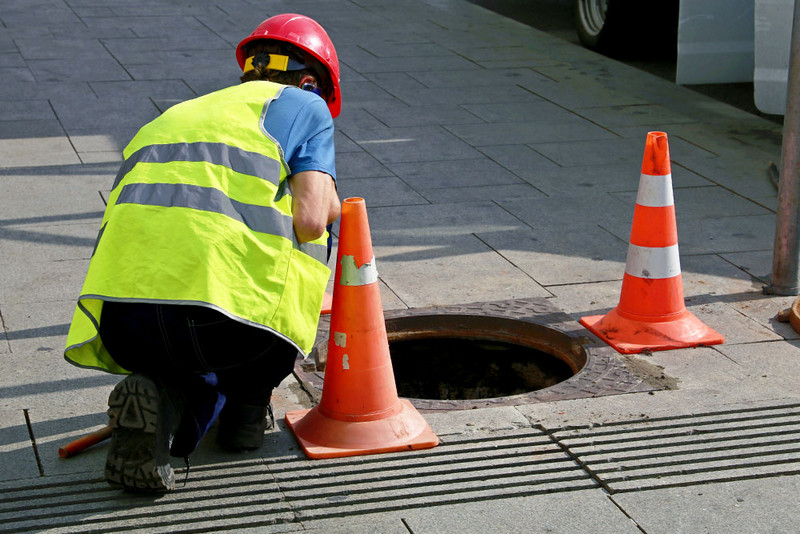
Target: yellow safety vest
(200,213)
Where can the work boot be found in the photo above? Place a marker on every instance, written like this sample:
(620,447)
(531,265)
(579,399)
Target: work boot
(142,419)
(242,426)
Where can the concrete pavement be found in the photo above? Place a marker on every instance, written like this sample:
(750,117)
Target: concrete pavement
(498,163)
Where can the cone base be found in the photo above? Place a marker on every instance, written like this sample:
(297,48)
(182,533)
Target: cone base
(327,304)
(630,336)
(323,437)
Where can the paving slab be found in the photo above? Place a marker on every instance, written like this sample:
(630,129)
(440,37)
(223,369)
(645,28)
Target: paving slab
(65,242)
(13,129)
(403,266)
(34,327)
(578,95)
(477,421)
(36,196)
(87,27)
(72,388)
(706,202)
(110,140)
(19,459)
(52,431)
(601,257)
(589,511)
(502,57)
(750,506)
(648,115)
(716,275)
(5,347)
(17,74)
(482,192)
(742,172)
(59,48)
(764,310)
(509,76)
(523,133)
(55,150)
(7,45)
(33,110)
(701,368)
(520,111)
(593,153)
(166,89)
(772,364)
(377,192)
(128,46)
(360,165)
(38,14)
(397,114)
(712,235)
(728,142)
(453,174)
(433,96)
(366,94)
(73,69)
(17,90)
(101,113)
(412,144)
(25,283)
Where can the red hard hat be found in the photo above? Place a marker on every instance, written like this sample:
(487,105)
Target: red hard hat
(307,34)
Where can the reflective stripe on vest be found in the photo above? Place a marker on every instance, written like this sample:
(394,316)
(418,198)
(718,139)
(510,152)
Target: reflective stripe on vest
(264,219)
(236,159)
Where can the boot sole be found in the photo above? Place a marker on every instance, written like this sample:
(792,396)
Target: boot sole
(138,456)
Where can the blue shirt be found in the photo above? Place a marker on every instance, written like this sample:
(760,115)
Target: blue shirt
(302,125)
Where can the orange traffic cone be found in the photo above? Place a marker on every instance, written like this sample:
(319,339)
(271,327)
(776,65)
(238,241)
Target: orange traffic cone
(327,303)
(359,412)
(651,314)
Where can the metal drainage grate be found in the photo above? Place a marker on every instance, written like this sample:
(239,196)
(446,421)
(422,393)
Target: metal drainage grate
(598,369)
(679,451)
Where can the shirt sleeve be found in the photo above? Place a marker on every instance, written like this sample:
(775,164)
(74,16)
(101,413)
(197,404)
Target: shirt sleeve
(302,124)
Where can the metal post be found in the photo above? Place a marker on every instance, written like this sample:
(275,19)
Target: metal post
(786,251)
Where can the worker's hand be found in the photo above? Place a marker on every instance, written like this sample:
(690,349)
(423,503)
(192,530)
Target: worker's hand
(315,204)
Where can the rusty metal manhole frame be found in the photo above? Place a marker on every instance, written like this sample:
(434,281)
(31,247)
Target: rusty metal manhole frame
(534,322)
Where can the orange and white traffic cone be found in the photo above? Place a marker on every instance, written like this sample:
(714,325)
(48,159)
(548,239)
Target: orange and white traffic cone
(359,412)
(651,314)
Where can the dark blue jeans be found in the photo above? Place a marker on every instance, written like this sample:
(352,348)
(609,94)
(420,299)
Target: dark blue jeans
(202,354)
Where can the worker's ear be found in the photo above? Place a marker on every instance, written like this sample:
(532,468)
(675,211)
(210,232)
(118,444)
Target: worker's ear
(309,83)
(307,79)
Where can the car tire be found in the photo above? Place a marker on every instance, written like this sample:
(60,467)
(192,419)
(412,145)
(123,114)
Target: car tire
(641,29)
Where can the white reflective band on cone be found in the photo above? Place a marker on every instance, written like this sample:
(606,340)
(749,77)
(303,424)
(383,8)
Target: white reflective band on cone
(653,262)
(655,191)
(358,276)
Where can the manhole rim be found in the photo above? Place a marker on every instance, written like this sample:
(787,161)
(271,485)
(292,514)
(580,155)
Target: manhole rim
(603,373)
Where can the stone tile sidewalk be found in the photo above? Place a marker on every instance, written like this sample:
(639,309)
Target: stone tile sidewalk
(497,163)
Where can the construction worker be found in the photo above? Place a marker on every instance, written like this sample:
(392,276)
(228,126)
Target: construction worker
(211,262)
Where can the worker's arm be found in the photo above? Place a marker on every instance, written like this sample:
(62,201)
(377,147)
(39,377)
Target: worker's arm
(315,204)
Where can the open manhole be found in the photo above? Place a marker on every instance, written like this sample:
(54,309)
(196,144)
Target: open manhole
(494,354)
(459,368)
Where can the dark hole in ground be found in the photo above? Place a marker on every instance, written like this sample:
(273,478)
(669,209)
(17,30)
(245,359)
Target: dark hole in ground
(451,368)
